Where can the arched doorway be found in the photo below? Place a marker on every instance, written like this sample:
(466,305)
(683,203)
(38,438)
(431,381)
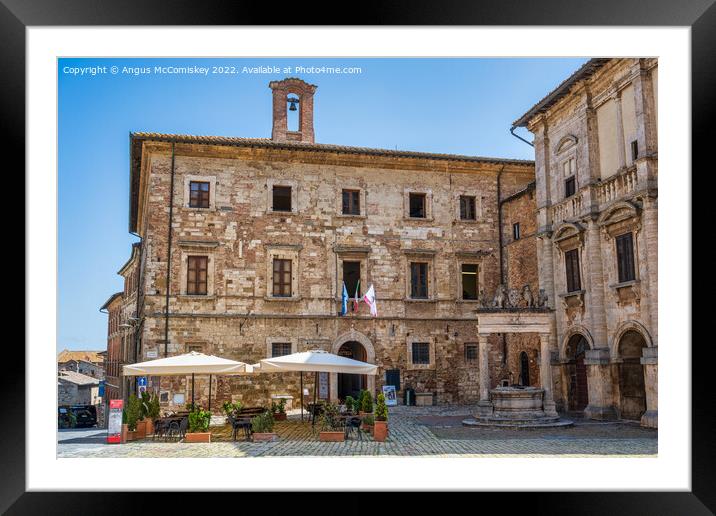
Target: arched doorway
(524,369)
(351,384)
(577,393)
(632,393)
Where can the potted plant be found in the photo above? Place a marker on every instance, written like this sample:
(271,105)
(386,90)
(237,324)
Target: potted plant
(279,410)
(350,404)
(380,430)
(366,404)
(262,427)
(330,429)
(198,426)
(232,409)
(133,412)
(150,411)
(367,422)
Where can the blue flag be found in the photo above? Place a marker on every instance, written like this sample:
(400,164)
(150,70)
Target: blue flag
(344,303)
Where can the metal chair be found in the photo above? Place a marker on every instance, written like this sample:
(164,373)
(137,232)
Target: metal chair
(353,425)
(183,426)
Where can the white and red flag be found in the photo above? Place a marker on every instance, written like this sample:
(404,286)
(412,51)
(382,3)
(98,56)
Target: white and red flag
(369,298)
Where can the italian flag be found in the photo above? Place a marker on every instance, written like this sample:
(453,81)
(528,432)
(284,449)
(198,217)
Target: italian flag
(356,298)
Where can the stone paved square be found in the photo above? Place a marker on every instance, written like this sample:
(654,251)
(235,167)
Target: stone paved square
(414,432)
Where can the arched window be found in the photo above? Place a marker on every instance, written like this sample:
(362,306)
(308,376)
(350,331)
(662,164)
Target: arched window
(524,369)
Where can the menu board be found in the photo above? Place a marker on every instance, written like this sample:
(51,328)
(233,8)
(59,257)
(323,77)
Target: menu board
(114,422)
(323,386)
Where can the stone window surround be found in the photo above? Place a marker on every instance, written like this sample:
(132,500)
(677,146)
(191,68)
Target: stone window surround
(478,206)
(613,227)
(284,252)
(420,256)
(469,259)
(409,347)
(189,248)
(477,352)
(271,340)
(361,198)
(212,191)
(569,241)
(428,203)
(270,183)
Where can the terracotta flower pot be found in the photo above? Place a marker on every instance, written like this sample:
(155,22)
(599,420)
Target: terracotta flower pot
(279,416)
(131,435)
(125,430)
(197,437)
(150,427)
(264,436)
(380,431)
(141,429)
(333,437)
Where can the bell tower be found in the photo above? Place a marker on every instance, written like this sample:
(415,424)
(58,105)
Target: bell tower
(292,94)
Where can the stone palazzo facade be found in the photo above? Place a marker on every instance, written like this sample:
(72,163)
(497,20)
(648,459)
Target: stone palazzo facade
(596,166)
(246,244)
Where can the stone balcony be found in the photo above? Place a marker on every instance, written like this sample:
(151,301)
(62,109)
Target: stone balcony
(595,197)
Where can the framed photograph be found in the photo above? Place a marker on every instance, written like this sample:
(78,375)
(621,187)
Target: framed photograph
(496,184)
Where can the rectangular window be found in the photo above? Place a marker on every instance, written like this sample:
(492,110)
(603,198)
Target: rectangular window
(392,377)
(281,198)
(625,257)
(351,277)
(198,348)
(571,262)
(196,275)
(421,353)
(467,207)
(419,280)
(634,150)
(469,281)
(351,202)
(570,187)
(417,205)
(279,349)
(281,278)
(516,231)
(470,352)
(198,194)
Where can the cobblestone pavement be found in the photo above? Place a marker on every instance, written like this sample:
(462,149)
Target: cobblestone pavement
(414,431)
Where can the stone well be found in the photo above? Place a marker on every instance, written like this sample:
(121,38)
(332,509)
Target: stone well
(516,406)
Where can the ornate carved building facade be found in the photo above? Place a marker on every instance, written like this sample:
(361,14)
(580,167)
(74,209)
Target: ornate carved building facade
(596,166)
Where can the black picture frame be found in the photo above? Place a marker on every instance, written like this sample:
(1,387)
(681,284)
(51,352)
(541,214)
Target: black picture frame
(700,15)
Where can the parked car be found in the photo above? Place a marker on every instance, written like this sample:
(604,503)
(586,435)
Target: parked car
(77,416)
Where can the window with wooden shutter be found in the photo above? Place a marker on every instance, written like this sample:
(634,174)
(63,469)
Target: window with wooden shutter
(417,205)
(281,198)
(467,207)
(419,280)
(625,257)
(351,202)
(198,194)
(469,281)
(281,277)
(571,262)
(196,275)
(570,187)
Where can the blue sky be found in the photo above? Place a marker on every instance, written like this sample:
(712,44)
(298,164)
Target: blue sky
(463,106)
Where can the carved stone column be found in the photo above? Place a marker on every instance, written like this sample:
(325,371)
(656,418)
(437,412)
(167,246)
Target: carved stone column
(545,370)
(599,385)
(484,406)
(649,360)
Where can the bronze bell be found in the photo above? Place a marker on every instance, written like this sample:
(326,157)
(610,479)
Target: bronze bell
(293,102)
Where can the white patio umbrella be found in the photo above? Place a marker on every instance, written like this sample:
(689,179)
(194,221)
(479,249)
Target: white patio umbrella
(317,361)
(188,363)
